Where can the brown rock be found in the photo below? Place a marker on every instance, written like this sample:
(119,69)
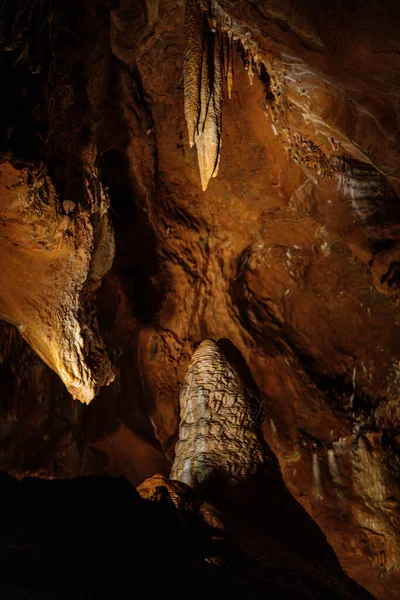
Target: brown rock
(130,455)
(292,252)
(49,260)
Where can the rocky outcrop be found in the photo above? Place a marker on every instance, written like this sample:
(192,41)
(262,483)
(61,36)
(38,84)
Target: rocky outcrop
(56,240)
(53,256)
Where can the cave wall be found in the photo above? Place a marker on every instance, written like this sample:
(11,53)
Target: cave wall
(292,252)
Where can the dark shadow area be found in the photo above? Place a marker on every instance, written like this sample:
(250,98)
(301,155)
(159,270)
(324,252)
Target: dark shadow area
(282,530)
(96,537)
(130,296)
(40,428)
(136,259)
(24,62)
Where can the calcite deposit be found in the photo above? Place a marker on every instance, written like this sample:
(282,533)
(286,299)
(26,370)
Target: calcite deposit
(121,251)
(52,262)
(220,423)
(203,90)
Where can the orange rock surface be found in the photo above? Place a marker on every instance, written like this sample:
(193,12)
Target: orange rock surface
(292,252)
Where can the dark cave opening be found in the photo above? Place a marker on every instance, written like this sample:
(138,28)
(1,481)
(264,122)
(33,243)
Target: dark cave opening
(136,261)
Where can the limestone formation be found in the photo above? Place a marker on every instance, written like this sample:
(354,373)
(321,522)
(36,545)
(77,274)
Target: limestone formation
(293,252)
(226,43)
(203,91)
(48,281)
(192,66)
(208,58)
(220,427)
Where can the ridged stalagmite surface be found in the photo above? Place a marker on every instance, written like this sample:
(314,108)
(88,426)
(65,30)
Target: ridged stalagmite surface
(203,91)
(220,427)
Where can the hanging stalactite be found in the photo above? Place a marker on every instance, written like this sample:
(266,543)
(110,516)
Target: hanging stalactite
(210,36)
(226,44)
(203,90)
(208,132)
(192,67)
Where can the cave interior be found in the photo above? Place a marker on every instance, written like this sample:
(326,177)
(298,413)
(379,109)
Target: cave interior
(172,172)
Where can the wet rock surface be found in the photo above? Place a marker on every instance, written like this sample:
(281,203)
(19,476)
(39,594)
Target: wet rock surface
(292,252)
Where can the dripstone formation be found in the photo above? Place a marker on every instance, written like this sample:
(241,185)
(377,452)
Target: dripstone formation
(220,428)
(121,250)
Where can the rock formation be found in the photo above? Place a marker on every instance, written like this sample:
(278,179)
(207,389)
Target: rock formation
(115,263)
(56,237)
(220,423)
(53,257)
(203,90)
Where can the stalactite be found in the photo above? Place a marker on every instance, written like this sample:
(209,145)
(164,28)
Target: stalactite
(229,74)
(208,133)
(227,58)
(210,35)
(203,90)
(192,67)
(249,66)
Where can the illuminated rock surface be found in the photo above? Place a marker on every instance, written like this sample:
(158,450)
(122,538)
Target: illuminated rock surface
(220,423)
(51,265)
(292,252)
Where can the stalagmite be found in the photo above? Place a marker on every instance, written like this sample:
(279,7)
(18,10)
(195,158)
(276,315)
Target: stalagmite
(220,428)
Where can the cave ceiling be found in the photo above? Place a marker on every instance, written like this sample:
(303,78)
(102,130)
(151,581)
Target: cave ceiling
(173,171)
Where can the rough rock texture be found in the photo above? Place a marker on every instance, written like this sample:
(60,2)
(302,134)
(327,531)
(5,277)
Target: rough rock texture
(51,263)
(203,90)
(40,425)
(220,422)
(292,252)
(56,238)
(96,537)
